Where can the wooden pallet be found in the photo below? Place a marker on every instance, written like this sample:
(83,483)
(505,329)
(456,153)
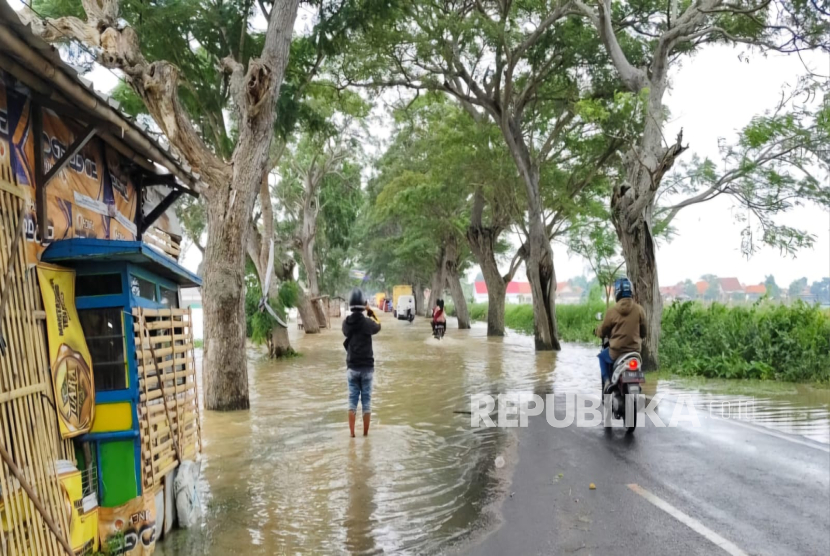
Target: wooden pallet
(163,242)
(168,407)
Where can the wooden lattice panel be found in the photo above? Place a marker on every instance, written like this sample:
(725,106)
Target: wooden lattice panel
(168,409)
(28,422)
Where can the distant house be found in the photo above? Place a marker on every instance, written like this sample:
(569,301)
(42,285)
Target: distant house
(701,286)
(517,292)
(731,288)
(672,293)
(567,294)
(754,293)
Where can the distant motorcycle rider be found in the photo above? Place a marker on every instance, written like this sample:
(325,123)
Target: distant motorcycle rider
(624,325)
(438,315)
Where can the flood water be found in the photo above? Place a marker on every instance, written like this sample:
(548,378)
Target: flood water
(285,477)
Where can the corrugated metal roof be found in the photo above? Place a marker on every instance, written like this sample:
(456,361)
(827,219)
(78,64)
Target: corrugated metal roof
(10,19)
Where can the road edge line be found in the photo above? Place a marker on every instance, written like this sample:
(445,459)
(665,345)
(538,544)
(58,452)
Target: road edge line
(689,521)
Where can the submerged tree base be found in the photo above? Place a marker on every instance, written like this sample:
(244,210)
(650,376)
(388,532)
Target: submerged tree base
(289,353)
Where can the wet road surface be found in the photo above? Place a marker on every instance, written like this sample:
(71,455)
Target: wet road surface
(763,492)
(285,477)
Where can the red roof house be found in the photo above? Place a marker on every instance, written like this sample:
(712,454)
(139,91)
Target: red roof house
(759,290)
(730,285)
(755,292)
(517,292)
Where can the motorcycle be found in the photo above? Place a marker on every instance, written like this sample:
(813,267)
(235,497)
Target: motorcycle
(625,386)
(438,330)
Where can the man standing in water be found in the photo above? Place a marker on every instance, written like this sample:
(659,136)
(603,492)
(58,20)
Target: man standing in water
(360,359)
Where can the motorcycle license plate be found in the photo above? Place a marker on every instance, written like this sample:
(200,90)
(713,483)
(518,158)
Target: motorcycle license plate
(634,375)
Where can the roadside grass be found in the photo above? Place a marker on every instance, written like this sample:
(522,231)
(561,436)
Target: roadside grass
(764,341)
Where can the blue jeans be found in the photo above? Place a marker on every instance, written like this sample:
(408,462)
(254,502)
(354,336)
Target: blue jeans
(360,387)
(606,364)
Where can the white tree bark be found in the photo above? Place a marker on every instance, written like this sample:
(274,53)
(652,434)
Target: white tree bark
(647,161)
(312,176)
(232,186)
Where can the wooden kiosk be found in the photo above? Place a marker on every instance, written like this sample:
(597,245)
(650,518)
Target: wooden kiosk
(86,187)
(146,412)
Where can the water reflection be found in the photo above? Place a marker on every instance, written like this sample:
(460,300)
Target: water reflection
(359,523)
(285,477)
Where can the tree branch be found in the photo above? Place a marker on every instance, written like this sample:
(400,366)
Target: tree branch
(155,83)
(634,78)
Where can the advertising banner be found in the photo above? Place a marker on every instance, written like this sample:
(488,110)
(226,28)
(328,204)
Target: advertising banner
(80,182)
(129,529)
(93,196)
(122,195)
(69,357)
(8,165)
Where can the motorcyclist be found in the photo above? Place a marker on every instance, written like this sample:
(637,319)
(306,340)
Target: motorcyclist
(624,325)
(438,315)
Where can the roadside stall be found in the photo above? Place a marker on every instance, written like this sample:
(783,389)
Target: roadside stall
(98,388)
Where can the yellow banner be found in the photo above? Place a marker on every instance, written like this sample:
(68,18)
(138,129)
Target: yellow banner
(69,356)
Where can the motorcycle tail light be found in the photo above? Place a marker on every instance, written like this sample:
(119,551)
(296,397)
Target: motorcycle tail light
(633,364)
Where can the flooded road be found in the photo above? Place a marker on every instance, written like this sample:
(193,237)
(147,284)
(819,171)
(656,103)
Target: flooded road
(285,477)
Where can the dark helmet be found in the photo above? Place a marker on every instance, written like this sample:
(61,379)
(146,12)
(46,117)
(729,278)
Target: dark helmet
(440,303)
(356,300)
(622,288)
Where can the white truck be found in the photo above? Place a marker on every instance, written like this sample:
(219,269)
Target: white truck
(405,309)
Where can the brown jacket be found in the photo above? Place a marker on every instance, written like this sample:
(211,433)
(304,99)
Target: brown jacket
(625,324)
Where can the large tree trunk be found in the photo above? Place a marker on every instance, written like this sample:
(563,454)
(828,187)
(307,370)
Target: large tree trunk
(451,264)
(539,263)
(307,313)
(542,278)
(225,364)
(279,344)
(495,307)
(638,251)
(439,278)
(482,243)
(310,264)
(462,314)
(259,251)
(420,306)
(632,205)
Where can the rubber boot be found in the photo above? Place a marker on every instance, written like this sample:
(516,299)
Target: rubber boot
(366,418)
(351,422)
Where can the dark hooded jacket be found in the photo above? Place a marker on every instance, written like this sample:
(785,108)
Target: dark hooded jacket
(625,324)
(359,329)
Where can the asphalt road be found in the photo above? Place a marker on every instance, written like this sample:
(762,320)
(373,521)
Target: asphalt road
(721,488)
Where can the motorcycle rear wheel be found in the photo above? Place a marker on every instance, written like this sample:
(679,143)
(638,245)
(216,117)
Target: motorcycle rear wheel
(631,405)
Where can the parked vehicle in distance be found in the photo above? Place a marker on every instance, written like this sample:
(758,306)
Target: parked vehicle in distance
(405,309)
(397,292)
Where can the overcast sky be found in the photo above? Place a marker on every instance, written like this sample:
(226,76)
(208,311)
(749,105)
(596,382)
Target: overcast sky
(713,95)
